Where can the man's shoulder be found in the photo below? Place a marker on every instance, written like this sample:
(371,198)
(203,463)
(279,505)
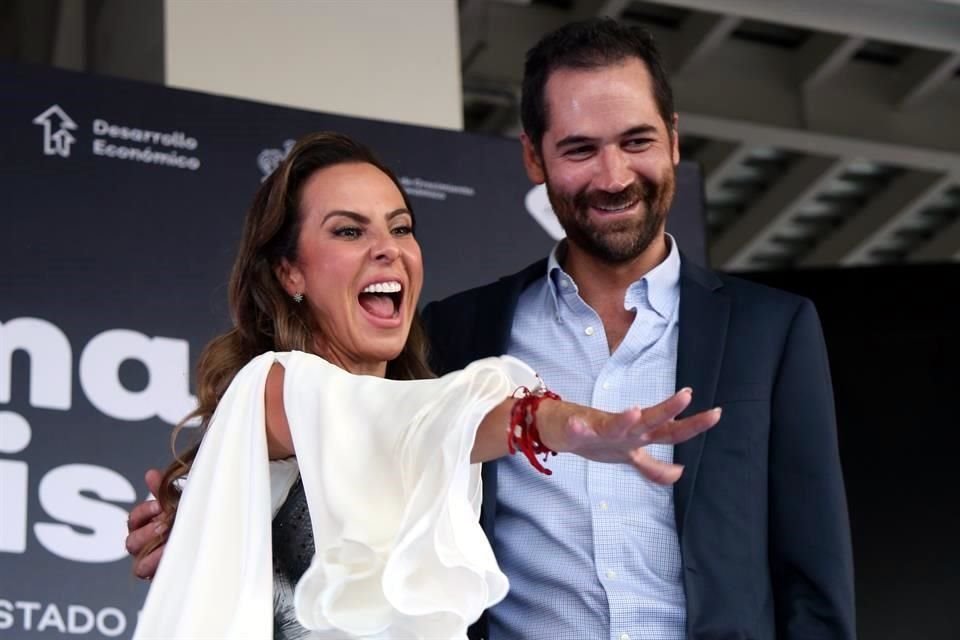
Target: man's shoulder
(497,292)
(747,288)
(752,302)
(741,290)
(465,299)
(475,323)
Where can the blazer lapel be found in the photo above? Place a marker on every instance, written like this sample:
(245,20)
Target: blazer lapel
(497,309)
(704,315)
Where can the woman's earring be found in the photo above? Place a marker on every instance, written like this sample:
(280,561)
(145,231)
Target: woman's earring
(298,297)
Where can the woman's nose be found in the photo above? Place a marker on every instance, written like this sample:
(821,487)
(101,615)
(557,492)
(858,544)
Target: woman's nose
(385,250)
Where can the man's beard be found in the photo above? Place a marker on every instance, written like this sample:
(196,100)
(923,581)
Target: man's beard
(623,240)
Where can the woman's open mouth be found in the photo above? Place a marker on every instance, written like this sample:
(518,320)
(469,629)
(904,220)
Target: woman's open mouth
(382,300)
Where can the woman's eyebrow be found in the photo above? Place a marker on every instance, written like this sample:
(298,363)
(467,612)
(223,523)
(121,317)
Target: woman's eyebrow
(353,215)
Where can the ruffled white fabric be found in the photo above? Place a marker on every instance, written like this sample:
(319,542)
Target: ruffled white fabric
(393,498)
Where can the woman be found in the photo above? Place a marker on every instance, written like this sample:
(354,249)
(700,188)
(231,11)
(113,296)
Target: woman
(324,294)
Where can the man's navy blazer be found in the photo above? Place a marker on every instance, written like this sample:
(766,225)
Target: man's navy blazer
(760,509)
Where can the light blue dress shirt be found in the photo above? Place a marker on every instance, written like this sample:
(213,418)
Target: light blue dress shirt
(592,551)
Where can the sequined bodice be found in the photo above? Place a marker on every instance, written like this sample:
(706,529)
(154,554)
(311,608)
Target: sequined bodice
(293,550)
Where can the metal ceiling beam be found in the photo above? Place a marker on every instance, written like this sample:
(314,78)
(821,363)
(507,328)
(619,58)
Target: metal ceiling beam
(818,143)
(750,232)
(701,34)
(823,55)
(918,23)
(741,81)
(885,212)
(945,246)
(924,72)
(719,160)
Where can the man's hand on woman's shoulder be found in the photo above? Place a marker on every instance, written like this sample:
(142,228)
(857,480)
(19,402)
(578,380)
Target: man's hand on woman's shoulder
(145,523)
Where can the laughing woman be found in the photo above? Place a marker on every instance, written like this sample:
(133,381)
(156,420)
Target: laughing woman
(375,500)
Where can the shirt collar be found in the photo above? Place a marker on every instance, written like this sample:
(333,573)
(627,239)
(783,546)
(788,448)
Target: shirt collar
(660,286)
(557,278)
(662,283)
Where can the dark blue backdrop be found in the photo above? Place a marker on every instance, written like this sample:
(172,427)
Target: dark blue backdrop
(121,209)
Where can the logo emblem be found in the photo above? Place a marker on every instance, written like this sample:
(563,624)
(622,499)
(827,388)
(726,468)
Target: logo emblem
(538,206)
(270,159)
(57,126)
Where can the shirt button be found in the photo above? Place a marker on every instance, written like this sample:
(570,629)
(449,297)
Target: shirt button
(603,505)
(588,331)
(624,636)
(611,574)
(606,385)
(564,284)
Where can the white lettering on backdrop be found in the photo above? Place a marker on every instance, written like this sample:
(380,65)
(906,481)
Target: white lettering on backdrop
(86,526)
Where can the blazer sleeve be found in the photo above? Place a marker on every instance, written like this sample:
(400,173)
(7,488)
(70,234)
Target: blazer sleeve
(811,556)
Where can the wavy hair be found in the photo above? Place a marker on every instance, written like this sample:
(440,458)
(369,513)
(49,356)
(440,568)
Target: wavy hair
(265,318)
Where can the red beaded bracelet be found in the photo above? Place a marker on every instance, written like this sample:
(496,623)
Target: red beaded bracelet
(522,433)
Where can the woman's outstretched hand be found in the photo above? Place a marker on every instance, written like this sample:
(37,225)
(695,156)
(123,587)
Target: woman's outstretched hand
(620,437)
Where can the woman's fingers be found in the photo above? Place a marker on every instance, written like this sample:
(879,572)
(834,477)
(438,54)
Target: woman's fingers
(676,431)
(658,424)
(658,471)
(668,409)
(635,422)
(618,437)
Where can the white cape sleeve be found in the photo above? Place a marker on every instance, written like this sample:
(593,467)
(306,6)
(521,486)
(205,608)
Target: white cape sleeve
(394,505)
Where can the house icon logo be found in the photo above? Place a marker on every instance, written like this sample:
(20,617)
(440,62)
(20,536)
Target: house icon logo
(56,131)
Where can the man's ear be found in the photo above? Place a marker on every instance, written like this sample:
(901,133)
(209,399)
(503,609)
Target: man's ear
(675,140)
(532,161)
(289,277)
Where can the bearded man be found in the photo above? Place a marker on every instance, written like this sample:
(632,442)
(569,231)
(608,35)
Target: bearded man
(753,541)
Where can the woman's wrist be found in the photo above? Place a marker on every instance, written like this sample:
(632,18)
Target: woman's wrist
(552,415)
(523,430)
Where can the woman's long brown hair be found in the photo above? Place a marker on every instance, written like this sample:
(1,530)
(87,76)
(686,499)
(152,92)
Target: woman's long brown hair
(265,318)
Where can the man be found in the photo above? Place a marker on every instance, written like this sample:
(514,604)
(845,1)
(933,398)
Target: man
(753,541)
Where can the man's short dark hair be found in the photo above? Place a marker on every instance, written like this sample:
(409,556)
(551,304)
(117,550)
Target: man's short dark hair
(589,44)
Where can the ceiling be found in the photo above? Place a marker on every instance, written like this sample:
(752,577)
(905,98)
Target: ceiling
(827,130)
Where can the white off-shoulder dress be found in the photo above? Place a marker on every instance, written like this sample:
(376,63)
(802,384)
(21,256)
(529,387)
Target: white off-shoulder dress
(393,501)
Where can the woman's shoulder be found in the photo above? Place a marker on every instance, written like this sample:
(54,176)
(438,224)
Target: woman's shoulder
(284,358)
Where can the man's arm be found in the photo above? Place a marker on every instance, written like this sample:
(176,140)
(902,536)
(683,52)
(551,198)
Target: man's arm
(811,557)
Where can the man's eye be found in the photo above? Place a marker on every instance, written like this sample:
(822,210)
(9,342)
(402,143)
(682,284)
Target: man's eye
(347,232)
(638,143)
(579,151)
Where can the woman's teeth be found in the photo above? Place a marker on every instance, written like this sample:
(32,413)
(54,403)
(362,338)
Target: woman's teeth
(383,287)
